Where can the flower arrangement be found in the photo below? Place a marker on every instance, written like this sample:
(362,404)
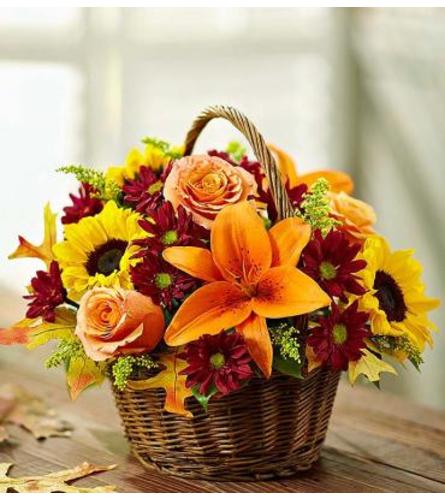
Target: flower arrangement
(173,272)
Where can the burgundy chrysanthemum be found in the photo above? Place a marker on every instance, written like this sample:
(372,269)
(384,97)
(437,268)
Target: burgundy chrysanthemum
(169,229)
(330,262)
(221,154)
(84,205)
(165,284)
(144,192)
(221,360)
(47,293)
(339,338)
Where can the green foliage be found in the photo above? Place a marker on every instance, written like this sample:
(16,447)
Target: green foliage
(108,190)
(66,350)
(315,208)
(236,150)
(165,147)
(287,357)
(203,399)
(390,344)
(125,366)
(284,338)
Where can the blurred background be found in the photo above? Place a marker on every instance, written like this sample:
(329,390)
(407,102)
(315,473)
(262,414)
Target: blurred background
(360,90)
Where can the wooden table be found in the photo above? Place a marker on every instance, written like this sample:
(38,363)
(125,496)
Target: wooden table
(376,442)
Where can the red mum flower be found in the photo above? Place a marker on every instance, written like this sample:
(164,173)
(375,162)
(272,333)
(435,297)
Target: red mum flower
(221,154)
(221,360)
(330,262)
(169,229)
(339,338)
(165,284)
(144,192)
(47,294)
(84,205)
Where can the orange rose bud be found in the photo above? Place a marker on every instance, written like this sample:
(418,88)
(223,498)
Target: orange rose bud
(113,322)
(204,185)
(356,216)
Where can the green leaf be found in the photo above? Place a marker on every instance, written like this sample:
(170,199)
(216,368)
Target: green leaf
(236,150)
(203,399)
(286,366)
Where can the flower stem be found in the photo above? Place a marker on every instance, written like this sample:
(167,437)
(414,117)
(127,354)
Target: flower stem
(71,303)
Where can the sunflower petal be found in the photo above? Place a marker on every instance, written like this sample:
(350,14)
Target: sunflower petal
(339,181)
(210,309)
(198,262)
(240,245)
(288,239)
(286,291)
(256,335)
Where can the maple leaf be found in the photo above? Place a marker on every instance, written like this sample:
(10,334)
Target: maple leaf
(170,380)
(81,373)
(43,251)
(55,482)
(19,407)
(312,360)
(36,332)
(370,366)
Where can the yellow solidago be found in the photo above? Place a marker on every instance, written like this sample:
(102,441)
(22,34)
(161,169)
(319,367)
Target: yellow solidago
(396,299)
(96,251)
(156,155)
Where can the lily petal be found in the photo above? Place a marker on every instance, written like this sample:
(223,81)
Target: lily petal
(210,309)
(286,291)
(241,248)
(198,262)
(339,181)
(286,165)
(288,239)
(256,335)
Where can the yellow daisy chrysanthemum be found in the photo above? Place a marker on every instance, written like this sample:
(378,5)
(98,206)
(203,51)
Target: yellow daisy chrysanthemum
(97,250)
(396,299)
(152,156)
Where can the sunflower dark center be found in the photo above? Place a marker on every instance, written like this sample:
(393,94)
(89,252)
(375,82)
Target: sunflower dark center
(106,258)
(390,296)
(217,360)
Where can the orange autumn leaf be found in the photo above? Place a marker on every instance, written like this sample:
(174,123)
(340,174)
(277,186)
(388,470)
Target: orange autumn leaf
(17,333)
(252,277)
(312,361)
(339,181)
(82,372)
(170,380)
(43,251)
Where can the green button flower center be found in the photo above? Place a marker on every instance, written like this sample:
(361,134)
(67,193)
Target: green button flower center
(327,270)
(163,280)
(170,237)
(217,360)
(340,333)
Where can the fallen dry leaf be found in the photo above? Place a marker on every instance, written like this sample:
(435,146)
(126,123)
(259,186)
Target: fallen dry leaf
(55,482)
(19,407)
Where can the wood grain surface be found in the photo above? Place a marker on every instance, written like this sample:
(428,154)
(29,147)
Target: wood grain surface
(376,442)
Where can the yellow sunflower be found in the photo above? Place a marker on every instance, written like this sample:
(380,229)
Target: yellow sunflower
(152,156)
(97,250)
(396,299)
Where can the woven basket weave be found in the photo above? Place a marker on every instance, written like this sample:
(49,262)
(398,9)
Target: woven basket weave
(271,428)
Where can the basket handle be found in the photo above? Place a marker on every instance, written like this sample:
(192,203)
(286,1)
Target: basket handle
(257,143)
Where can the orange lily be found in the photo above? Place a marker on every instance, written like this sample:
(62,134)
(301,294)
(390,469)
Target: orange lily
(252,276)
(339,181)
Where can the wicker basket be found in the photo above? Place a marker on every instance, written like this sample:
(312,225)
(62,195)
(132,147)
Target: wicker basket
(271,428)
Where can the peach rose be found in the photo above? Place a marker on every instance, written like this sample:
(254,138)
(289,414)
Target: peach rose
(357,216)
(111,322)
(204,185)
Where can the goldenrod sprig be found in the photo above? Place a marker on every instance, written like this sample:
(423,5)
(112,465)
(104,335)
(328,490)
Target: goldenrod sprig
(66,350)
(124,367)
(284,337)
(315,207)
